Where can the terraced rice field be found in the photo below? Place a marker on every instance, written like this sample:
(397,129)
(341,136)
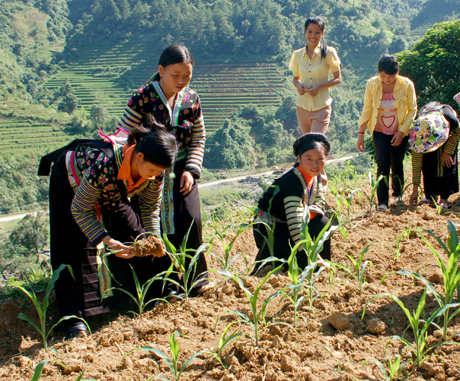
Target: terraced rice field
(19,133)
(106,76)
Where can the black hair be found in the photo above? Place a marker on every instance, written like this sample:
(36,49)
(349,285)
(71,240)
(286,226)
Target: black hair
(320,22)
(389,64)
(158,146)
(311,141)
(174,54)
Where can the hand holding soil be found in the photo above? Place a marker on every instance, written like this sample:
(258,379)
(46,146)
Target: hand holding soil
(152,245)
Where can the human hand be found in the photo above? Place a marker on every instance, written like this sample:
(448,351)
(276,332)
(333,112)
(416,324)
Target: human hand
(360,143)
(120,250)
(447,160)
(313,90)
(397,139)
(301,89)
(413,197)
(186,182)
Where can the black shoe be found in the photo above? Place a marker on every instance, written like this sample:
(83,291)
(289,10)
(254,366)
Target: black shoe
(78,329)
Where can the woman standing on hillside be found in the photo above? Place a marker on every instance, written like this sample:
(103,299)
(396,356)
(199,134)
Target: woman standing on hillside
(390,106)
(167,99)
(91,184)
(311,66)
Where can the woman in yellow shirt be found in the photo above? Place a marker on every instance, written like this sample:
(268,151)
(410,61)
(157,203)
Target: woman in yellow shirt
(390,106)
(311,66)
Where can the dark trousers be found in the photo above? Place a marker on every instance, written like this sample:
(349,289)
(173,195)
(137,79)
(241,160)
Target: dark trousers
(80,294)
(283,242)
(187,215)
(436,184)
(389,158)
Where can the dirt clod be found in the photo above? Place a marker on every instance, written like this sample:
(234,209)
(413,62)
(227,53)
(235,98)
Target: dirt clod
(339,321)
(375,326)
(152,245)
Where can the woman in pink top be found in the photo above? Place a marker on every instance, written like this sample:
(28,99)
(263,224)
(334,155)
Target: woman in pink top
(390,106)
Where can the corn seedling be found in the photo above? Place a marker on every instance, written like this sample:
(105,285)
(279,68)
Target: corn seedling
(223,342)
(420,350)
(258,315)
(184,264)
(297,283)
(359,267)
(141,292)
(394,368)
(312,247)
(405,233)
(173,364)
(38,370)
(227,261)
(450,272)
(42,308)
(374,184)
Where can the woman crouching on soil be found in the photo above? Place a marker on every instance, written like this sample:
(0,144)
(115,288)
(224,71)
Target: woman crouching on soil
(284,202)
(91,184)
(435,154)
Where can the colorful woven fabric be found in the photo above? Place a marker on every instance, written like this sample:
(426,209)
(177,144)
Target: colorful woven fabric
(429,132)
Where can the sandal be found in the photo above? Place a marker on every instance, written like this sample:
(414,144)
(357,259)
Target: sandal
(443,205)
(205,287)
(78,329)
(382,208)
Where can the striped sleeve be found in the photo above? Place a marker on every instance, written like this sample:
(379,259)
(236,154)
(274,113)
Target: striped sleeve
(319,202)
(132,116)
(195,149)
(417,161)
(150,200)
(452,142)
(294,208)
(83,211)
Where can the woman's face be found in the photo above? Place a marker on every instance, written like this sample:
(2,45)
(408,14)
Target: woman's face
(313,160)
(388,79)
(146,169)
(175,77)
(313,34)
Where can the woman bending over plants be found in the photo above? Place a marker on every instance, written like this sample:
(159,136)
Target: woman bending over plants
(311,66)
(91,188)
(283,204)
(434,144)
(390,106)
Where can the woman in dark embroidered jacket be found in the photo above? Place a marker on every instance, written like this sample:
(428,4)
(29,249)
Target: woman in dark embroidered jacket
(167,99)
(283,204)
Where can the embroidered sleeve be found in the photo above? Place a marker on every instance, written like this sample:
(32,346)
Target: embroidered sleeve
(294,65)
(195,149)
(417,161)
(150,201)
(95,181)
(83,211)
(332,59)
(294,208)
(132,116)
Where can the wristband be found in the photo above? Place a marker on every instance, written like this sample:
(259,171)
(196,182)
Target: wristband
(361,133)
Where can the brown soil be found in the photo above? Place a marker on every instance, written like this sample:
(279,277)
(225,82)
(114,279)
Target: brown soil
(152,245)
(331,343)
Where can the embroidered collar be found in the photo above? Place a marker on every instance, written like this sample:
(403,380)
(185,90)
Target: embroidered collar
(173,114)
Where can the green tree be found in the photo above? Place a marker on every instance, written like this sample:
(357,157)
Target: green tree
(68,104)
(433,64)
(32,233)
(230,147)
(98,115)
